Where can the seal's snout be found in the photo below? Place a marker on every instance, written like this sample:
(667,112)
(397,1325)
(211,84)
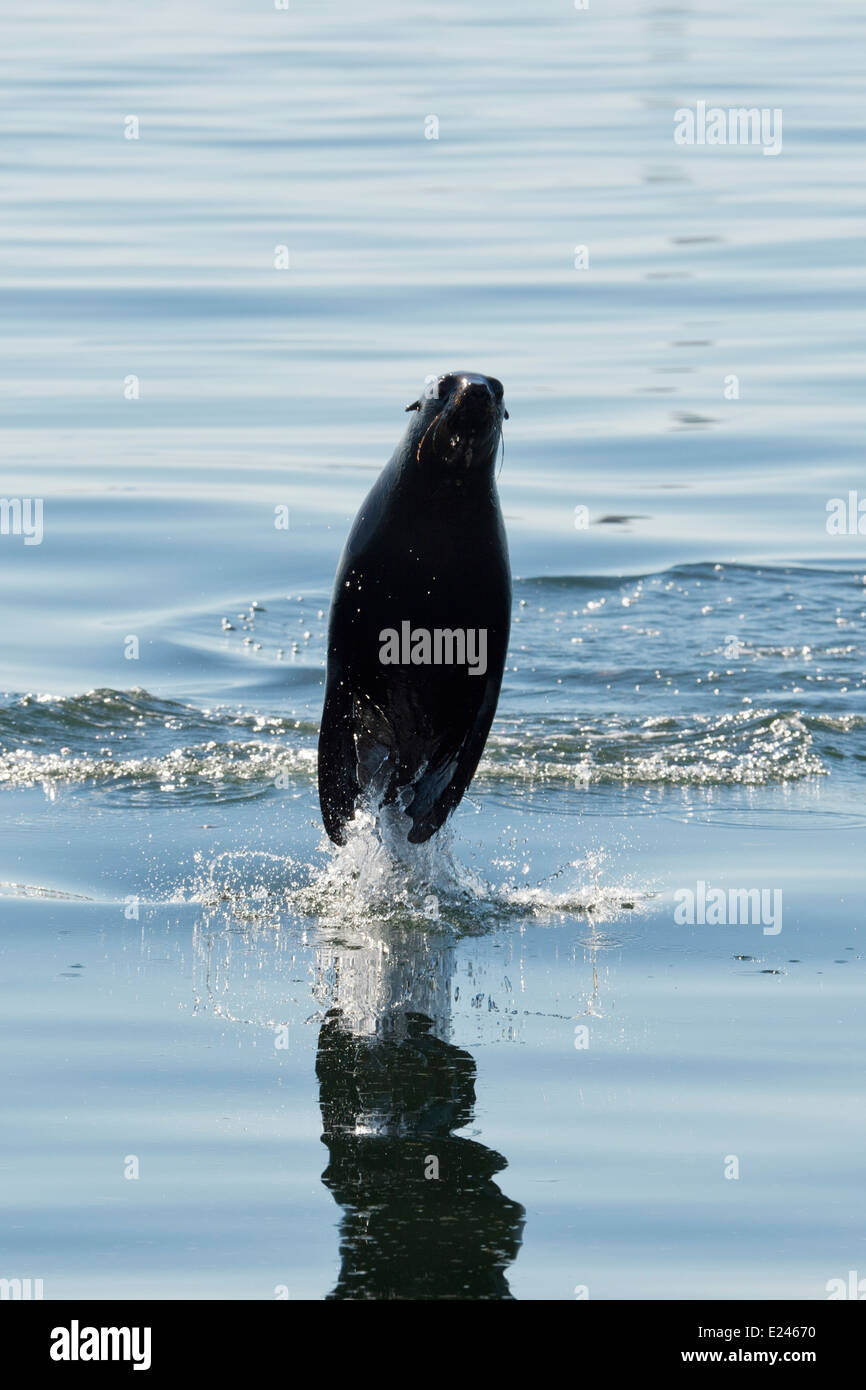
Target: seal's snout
(475,417)
(478,391)
(477,402)
(460,421)
(461,390)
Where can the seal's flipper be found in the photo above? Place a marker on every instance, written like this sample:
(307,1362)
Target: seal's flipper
(436,794)
(441,785)
(338,768)
(374,740)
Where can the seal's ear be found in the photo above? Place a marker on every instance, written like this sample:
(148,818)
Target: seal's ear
(416,405)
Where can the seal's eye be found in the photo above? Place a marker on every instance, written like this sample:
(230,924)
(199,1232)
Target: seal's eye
(416,405)
(507,416)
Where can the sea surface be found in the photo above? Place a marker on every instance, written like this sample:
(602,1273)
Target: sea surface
(238,1063)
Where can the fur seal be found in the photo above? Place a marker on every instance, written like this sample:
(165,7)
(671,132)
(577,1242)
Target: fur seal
(420,618)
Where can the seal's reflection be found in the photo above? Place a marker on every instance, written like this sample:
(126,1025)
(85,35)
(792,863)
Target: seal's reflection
(423,1218)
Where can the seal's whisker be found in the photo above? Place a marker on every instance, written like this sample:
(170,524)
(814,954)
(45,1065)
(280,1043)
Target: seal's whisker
(433,423)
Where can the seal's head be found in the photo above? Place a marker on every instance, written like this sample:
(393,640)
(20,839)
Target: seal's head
(459,421)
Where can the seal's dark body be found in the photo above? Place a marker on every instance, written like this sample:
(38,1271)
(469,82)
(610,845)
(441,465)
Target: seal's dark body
(428,546)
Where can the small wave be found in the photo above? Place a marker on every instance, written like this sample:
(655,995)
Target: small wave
(211,768)
(746,747)
(130,742)
(705,569)
(46,717)
(33,890)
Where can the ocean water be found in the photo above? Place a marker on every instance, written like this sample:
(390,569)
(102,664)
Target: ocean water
(239,1063)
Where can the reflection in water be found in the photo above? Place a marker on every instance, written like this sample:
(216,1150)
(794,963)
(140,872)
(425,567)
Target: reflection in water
(423,1218)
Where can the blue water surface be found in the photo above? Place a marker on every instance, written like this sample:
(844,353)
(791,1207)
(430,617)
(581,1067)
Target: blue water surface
(230,1052)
